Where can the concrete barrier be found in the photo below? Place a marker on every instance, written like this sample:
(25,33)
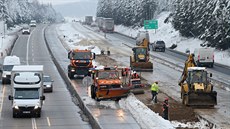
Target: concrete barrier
(92,120)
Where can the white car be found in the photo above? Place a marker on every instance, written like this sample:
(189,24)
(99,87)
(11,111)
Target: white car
(25,30)
(47,83)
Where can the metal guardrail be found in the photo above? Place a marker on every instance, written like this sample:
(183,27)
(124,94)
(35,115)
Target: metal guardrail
(92,120)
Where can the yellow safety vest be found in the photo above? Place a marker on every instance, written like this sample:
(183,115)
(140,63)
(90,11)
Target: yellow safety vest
(154,87)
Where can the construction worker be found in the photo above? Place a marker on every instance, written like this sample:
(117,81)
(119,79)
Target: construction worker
(165,109)
(135,75)
(154,90)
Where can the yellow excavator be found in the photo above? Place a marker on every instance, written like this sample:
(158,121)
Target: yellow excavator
(140,59)
(196,88)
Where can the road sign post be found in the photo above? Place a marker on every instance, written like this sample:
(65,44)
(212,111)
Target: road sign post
(150,24)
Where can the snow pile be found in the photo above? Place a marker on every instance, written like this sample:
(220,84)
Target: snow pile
(167,33)
(143,115)
(192,125)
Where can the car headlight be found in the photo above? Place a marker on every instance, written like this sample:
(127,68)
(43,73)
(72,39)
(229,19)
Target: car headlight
(36,107)
(16,107)
(4,75)
(48,85)
(72,70)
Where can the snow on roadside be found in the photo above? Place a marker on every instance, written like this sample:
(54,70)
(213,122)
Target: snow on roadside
(143,115)
(167,33)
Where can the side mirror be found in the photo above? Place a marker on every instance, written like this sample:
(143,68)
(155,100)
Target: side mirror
(42,97)
(210,74)
(10,97)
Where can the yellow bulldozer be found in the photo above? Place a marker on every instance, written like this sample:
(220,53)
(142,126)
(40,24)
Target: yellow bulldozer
(140,59)
(196,88)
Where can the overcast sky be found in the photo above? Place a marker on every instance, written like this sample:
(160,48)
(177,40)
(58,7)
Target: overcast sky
(58,2)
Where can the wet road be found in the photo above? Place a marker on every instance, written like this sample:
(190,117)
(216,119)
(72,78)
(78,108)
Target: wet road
(58,112)
(109,117)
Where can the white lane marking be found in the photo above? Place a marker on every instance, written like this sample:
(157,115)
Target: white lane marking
(48,121)
(34,124)
(27,51)
(2,100)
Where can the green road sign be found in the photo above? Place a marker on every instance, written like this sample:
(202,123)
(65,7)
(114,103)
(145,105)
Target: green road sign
(150,24)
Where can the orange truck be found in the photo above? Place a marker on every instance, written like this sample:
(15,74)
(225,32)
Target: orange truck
(80,62)
(108,84)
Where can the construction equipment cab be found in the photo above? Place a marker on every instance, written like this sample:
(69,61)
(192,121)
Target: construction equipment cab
(196,88)
(140,59)
(8,63)
(80,62)
(107,84)
(27,90)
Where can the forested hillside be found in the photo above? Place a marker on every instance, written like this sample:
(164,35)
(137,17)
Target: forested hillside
(208,20)
(22,11)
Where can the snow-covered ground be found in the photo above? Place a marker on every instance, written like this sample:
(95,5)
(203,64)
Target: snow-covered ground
(167,33)
(146,118)
(6,42)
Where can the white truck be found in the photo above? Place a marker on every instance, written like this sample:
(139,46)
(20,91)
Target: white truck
(108,25)
(33,23)
(27,90)
(8,63)
(204,57)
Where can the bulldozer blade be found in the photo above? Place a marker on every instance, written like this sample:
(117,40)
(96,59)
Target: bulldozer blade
(137,91)
(202,99)
(142,66)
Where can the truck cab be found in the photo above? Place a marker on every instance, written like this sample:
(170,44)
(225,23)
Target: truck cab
(8,64)
(107,84)
(27,90)
(80,62)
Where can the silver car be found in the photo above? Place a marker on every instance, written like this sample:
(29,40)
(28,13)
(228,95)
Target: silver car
(47,83)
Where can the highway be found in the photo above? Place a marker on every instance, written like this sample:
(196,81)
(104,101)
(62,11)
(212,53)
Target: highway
(167,74)
(59,111)
(108,117)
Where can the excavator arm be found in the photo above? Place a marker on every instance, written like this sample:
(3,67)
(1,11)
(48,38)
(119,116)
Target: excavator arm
(188,63)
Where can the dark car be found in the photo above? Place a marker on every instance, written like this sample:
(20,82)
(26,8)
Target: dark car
(47,83)
(158,45)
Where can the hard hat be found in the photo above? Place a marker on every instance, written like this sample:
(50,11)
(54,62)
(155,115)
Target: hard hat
(166,99)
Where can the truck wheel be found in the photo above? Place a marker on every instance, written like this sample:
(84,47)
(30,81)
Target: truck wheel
(3,81)
(70,75)
(93,95)
(39,114)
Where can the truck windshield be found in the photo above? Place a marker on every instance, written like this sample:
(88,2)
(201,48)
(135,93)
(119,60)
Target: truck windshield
(81,55)
(7,67)
(26,93)
(108,75)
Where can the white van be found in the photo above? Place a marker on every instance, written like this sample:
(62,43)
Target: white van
(27,90)
(8,64)
(204,56)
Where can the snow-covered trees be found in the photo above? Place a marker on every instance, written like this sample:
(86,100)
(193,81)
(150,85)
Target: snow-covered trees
(22,11)
(206,19)
(130,12)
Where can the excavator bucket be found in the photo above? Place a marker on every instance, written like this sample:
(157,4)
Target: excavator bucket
(202,99)
(142,66)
